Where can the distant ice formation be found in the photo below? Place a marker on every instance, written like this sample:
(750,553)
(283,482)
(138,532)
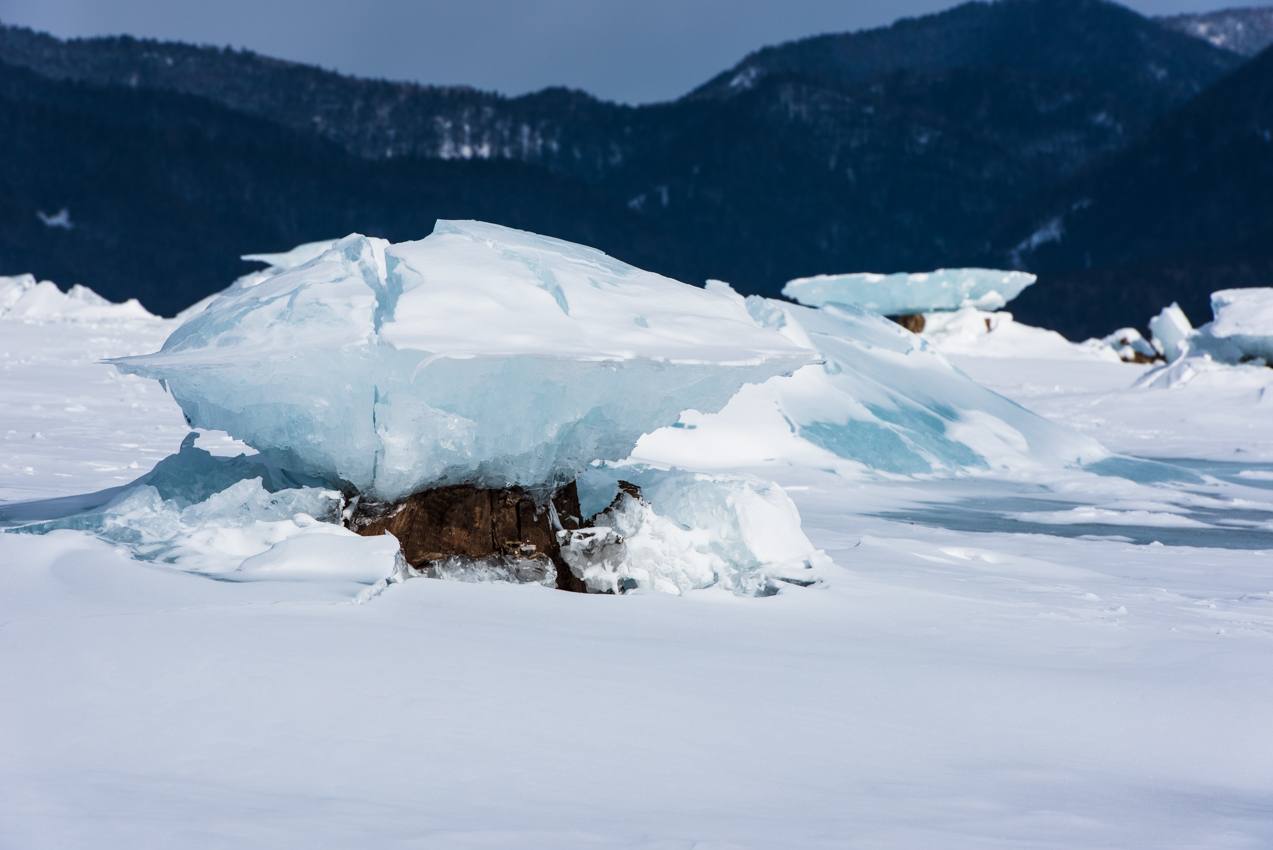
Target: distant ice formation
(1240,335)
(905,294)
(23,299)
(479,355)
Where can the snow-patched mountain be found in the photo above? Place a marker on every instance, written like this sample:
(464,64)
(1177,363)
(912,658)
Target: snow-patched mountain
(873,151)
(1244,31)
(1184,212)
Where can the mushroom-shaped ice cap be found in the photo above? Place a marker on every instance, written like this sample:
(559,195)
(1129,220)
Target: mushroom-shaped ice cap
(479,354)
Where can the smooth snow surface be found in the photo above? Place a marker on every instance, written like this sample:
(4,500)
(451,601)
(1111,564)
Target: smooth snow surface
(918,292)
(478,355)
(1032,657)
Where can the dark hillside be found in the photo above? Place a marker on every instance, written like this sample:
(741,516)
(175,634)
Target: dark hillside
(1186,210)
(885,150)
(165,191)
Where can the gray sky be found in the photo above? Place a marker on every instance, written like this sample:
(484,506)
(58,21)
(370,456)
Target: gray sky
(635,51)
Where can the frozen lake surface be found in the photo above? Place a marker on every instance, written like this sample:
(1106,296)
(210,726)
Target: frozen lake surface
(1061,659)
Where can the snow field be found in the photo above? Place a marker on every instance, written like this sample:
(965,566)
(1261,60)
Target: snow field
(1057,681)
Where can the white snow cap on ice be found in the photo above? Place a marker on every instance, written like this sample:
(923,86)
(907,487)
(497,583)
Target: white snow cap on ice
(918,292)
(1245,317)
(480,354)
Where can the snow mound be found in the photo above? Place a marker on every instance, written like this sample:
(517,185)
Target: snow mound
(980,333)
(883,398)
(905,294)
(687,531)
(478,355)
(22,299)
(238,519)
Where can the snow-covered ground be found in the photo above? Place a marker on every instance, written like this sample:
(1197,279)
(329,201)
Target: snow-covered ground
(993,661)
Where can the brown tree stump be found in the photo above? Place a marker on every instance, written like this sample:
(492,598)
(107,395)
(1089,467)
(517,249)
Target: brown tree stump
(497,531)
(913,322)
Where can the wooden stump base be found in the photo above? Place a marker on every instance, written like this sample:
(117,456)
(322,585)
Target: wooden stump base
(495,533)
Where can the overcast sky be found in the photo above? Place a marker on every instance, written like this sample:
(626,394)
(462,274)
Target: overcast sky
(635,51)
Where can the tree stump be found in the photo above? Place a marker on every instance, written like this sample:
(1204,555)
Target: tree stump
(913,322)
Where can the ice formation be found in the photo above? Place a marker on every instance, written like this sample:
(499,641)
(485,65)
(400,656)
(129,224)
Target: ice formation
(23,299)
(1170,329)
(276,264)
(1244,317)
(239,519)
(1131,347)
(686,531)
(479,355)
(904,294)
(1240,335)
(883,398)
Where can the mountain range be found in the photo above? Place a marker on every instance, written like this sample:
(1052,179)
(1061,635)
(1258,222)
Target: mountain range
(949,139)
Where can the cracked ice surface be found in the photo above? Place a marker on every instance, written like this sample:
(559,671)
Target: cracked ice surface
(918,292)
(480,354)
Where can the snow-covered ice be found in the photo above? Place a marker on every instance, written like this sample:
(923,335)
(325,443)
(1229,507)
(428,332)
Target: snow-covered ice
(1245,318)
(1003,659)
(882,398)
(478,355)
(918,292)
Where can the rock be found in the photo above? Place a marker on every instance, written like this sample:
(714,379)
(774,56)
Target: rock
(913,322)
(466,533)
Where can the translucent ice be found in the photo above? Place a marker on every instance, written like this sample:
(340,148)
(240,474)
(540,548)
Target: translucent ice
(478,355)
(920,292)
(1170,330)
(883,398)
(239,518)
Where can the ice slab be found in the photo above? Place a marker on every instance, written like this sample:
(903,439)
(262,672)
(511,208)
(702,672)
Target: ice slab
(1240,336)
(1170,329)
(1245,318)
(919,292)
(277,264)
(479,355)
(883,398)
(298,256)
